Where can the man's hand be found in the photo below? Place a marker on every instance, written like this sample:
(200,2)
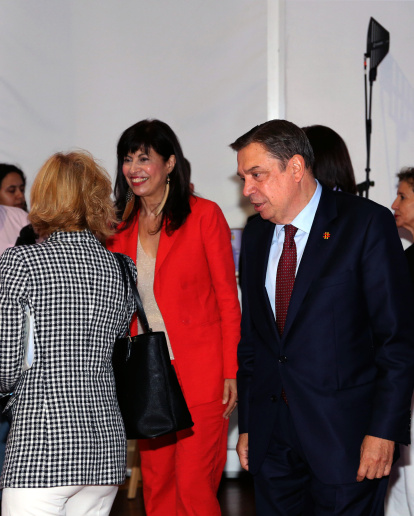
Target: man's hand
(376,458)
(242,449)
(229,396)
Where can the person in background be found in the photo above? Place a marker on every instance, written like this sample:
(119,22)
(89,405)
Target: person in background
(12,193)
(333,166)
(12,190)
(403,207)
(66,450)
(326,356)
(400,500)
(186,278)
(12,186)
(12,220)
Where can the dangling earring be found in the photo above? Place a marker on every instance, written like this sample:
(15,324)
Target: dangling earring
(129,206)
(164,199)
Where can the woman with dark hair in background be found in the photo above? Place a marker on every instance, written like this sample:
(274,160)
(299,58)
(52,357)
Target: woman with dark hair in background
(66,450)
(12,193)
(12,186)
(186,278)
(333,166)
(13,201)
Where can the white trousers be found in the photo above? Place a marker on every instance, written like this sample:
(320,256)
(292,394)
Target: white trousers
(58,501)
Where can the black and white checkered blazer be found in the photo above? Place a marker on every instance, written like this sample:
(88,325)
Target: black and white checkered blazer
(66,425)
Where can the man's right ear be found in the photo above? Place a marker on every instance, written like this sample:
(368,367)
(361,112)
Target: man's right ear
(297,166)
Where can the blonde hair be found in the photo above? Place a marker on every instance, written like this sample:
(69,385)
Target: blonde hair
(71,192)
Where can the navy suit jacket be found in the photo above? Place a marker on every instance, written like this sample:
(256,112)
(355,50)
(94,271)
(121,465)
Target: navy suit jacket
(346,358)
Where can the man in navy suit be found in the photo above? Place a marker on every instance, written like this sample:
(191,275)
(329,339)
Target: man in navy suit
(324,398)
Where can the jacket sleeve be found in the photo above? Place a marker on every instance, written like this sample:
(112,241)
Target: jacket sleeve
(217,245)
(13,298)
(390,305)
(113,242)
(245,351)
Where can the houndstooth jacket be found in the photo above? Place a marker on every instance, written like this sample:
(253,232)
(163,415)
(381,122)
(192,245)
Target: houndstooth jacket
(66,425)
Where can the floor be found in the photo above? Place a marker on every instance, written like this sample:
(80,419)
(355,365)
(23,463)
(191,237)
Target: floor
(235,496)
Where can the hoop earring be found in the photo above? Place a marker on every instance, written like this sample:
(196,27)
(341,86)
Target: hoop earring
(129,206)
(164,198)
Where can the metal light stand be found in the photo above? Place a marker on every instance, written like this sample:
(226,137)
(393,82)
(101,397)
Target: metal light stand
(378,44)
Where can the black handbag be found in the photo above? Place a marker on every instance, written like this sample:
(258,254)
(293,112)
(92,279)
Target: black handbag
(149,395)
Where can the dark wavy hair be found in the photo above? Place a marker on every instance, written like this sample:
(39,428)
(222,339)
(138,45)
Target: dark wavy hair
(6,168)
(333,166)
(156,135)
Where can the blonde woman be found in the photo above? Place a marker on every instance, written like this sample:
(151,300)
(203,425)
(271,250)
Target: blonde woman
(66,449)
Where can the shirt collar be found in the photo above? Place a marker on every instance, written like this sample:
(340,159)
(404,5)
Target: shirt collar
(74,236)
(304,220)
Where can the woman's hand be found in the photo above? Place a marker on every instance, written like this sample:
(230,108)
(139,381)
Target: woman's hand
(229,396)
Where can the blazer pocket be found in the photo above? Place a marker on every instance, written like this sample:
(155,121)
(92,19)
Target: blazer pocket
(16,392)
(334,280)
(195,323)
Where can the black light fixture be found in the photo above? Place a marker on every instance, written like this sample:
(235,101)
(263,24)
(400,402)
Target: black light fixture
(378,44)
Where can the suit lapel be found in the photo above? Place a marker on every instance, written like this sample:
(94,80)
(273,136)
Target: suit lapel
(264,252)
(164,247)
(130,236)
(315,255)
(262,249)
(131,242)
(167,242)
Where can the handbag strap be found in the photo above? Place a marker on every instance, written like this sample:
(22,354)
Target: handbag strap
(127,277)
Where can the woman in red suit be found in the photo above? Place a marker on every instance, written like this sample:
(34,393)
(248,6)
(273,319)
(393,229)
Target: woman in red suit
(186,278)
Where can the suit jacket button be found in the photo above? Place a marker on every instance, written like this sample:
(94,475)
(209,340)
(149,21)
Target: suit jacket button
(273,398)
(282,359)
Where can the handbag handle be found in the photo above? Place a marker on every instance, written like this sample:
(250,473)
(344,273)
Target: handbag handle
(126,271)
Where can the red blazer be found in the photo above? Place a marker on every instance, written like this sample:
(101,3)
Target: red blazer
(195,288)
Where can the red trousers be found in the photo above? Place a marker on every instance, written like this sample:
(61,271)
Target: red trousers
(181,472)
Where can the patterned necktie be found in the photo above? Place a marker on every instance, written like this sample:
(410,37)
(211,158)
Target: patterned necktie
(285,277)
